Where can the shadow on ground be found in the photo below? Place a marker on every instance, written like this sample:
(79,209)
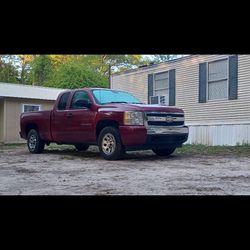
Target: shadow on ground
(70,154)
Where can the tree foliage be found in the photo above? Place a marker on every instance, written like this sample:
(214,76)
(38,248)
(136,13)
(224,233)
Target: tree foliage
(70,71)
(75,74)
(8,72)
(41,68)
(164,58)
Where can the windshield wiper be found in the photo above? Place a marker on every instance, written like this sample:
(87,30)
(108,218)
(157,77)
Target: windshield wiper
(115,102)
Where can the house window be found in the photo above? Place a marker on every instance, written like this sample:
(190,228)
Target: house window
(218,80)
(30,107)
(161,85)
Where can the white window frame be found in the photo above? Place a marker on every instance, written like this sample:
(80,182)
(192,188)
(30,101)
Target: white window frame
(154,88)
(221,99)
(30,104)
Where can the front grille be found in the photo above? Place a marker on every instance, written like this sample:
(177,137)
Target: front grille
(164,119)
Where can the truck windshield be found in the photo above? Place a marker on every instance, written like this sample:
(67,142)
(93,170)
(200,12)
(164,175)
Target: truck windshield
(104,96)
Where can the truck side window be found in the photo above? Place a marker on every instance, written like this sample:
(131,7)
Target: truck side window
(63,101)
(79,96)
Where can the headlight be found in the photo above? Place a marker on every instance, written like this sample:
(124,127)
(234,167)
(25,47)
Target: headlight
(133,118)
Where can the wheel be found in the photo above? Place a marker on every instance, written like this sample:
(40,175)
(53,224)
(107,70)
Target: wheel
(81,147)
(164,151)
(110,144)
(34,142)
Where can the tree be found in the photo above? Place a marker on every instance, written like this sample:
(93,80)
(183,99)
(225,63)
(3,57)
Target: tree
(75,74)
(24,66)
(164,58)
(70,70)
(119,62)
(41,68)
(8,72)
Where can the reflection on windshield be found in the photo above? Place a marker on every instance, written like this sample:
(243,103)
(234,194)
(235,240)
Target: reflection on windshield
(113,96)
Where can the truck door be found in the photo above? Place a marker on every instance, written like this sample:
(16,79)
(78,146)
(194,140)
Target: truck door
(80,122)
(59,119)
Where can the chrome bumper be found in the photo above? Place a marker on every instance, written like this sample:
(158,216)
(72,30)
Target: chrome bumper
(156,130)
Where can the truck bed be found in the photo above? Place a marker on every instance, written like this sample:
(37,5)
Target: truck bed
(40,119)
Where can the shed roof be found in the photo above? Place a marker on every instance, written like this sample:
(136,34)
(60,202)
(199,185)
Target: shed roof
(28,91)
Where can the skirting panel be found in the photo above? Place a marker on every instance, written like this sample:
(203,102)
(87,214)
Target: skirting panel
(212,135)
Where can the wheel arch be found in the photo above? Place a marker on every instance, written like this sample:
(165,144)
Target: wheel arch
(105,123)
(30,126)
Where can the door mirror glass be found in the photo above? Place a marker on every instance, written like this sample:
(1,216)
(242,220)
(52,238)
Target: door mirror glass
(80,100)
(81,104)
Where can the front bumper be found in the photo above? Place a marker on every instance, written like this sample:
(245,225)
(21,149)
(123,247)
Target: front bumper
(156,130)
(140,137)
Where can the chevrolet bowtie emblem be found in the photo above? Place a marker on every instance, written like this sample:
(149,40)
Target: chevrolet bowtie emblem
(169,119)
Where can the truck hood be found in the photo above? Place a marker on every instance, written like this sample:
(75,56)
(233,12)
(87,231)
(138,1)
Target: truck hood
(120,107)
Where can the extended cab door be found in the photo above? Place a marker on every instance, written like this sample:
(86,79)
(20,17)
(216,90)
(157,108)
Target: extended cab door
(81,117)
(59,119)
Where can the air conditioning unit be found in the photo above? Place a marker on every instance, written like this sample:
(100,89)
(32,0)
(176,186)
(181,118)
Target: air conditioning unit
(159,99)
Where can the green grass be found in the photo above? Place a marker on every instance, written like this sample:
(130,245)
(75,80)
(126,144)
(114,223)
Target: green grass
(54,146)
(214,150)
(189,149)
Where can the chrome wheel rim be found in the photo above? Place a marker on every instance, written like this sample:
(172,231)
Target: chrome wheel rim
(108,144)
(32,142)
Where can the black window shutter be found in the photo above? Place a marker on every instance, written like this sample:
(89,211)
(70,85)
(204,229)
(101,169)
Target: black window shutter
(150,86)
(172,87)
(233,77)
(202,82)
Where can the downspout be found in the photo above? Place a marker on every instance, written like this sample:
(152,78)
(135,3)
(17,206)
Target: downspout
(109,76)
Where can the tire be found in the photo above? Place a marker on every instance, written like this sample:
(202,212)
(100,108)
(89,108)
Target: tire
(110,144)
(81,147)
(164,151)
(34,142)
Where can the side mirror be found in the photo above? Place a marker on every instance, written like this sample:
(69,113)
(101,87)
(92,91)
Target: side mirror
(82,104)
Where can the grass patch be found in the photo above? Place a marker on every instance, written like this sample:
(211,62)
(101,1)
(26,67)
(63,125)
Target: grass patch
(11,146)
(189,149)
(214,150)
(54,146)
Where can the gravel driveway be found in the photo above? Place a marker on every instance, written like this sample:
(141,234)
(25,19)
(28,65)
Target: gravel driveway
(67,172)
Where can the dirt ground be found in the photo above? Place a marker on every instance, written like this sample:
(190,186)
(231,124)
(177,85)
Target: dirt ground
(67,172)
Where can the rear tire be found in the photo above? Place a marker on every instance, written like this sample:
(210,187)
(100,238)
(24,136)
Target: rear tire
(164,151)
(81,147)
(110,144)
(35,143)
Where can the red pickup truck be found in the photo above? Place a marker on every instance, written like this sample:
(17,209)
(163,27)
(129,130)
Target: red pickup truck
(114,120)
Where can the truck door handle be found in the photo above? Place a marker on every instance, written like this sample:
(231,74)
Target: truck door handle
(69,115)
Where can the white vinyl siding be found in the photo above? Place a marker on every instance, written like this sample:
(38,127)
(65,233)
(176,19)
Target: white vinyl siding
(218,80)
(30,107)
(187,89)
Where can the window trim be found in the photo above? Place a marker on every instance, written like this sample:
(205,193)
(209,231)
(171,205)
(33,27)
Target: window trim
(31,104)
(227,79)
(154,89)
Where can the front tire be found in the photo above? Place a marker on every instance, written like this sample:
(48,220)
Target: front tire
(81,147)
(35,143)
(110,144)
(164,151)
